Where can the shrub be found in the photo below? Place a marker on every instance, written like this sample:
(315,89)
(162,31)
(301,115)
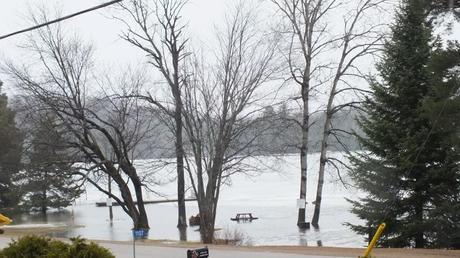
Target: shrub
(232,237)
(81,249)
(44,247)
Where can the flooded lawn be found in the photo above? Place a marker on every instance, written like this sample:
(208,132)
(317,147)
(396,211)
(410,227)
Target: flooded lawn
(269,196)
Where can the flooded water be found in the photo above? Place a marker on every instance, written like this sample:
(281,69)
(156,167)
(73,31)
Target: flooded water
(270,196)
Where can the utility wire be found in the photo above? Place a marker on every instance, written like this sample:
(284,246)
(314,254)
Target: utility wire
(61,19)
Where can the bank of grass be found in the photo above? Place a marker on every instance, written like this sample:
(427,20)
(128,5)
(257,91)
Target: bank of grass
(38,229)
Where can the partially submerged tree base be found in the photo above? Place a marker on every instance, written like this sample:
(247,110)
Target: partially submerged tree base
(303,225)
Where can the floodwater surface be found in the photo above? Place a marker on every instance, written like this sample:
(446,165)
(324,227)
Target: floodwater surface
(270,196)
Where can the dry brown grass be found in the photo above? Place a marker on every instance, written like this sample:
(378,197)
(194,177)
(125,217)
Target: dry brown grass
(35,230)
(233,237)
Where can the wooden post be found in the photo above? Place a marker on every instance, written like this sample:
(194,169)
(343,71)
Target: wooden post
(110,207)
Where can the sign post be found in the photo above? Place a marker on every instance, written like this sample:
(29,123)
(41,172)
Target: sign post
(134,247)
(138,234)
(301,203)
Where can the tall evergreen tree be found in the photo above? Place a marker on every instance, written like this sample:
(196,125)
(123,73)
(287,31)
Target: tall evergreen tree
(10,153)
(411,159)
(442,108)
(47,181)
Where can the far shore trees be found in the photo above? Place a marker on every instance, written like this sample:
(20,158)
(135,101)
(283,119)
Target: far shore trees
(104,131)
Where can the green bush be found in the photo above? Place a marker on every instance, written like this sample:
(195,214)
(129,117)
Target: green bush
(44,247)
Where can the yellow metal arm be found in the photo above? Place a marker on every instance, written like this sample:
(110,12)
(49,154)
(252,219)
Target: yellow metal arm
(374,240)
(4,220)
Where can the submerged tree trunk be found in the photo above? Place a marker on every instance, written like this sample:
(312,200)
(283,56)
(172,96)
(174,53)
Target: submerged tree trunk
(136,211)
(207,223)
(44,203)
(182,216)
(322,166)
(110,192)
(324,140)
(142,222)
(303,155)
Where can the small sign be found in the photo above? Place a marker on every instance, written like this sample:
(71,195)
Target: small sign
(301,203)
(198,253)
(109,202)
(140,233)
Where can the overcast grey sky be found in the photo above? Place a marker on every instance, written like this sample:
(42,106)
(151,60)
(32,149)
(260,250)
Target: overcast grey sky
(202,16)
(97,27)
(111,51)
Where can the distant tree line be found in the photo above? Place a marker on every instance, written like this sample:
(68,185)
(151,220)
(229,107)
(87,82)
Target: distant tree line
(276,129)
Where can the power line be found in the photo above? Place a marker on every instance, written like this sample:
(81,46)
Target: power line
(61,19)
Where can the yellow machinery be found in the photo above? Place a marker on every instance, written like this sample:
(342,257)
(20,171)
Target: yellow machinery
(4,220)
(374,241)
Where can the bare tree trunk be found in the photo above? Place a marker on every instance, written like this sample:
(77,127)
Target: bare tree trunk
(44,193)
(142,221)
(43,206)
(303,156)
(322,165)
(182,216)
(110,191)
(207,222)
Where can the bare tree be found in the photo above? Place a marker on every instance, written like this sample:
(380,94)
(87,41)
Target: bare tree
(62,82)
(309,36)
(360,38)
(157,30)
(305,33)
(220,100)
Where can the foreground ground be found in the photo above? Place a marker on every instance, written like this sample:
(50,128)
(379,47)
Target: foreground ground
(177,250)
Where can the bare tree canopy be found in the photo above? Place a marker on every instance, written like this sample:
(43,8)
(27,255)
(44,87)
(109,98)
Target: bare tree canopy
(219,98)
(105,131)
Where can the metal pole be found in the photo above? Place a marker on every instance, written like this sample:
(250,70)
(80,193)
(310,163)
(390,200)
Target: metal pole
(134,245)
(374,240)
